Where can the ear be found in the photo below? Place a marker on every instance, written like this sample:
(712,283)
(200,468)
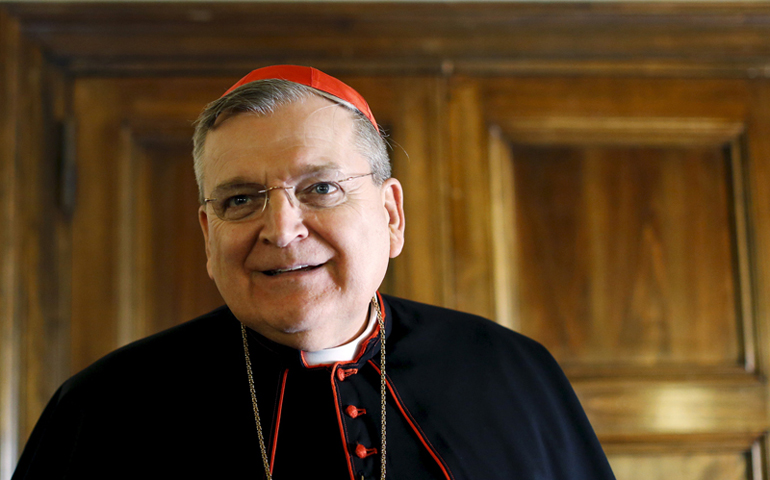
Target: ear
(203,219)
(393,200)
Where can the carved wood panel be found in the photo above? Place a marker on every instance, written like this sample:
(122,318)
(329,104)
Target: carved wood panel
(626,255)
(628,243)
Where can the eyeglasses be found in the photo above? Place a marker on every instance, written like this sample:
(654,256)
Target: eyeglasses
(249,200)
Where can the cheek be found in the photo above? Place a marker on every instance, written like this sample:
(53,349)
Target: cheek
(368,243)
(228,245)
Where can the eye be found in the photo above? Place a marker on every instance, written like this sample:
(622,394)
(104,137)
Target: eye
(321,195)
(237,201)
(323,188)
(240,205)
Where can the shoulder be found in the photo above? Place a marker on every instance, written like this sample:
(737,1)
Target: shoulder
(163,357)
(458,369)
(153,397)
(443,346)
(464,332)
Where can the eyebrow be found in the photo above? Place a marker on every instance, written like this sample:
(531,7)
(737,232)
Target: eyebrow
(307,171)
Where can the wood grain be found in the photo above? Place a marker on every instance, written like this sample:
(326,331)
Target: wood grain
(652,38)
(758,186)
(174,276)
(622,410)
(626,254)
(468,178)
(637,197)
(10,314)
(694,466)
(504,239)
(34,245)
(132,275)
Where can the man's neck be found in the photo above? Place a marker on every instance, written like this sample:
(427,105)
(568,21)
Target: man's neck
(346,352)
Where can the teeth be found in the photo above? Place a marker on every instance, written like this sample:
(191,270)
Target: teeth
(284,270)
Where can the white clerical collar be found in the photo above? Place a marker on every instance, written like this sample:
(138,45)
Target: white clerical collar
(343,353)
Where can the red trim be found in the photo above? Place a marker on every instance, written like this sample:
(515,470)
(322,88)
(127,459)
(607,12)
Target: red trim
(278,420)
(375,332)
(305,364)
(343,434)
(413,423)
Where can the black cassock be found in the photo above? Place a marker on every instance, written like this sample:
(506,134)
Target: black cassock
(467,399)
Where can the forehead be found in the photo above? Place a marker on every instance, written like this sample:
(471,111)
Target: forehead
(295,137)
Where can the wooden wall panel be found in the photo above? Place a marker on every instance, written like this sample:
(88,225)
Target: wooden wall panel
(34,256)
(468,177)
(694,466)
(174,278)
(655,38)
(503,210)
(626,255)
(94,252)
(634,258)
(126,130)
(758,185)
(594,98)
(647,410)
(10,316)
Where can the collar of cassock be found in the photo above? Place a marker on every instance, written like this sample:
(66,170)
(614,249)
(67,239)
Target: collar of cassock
(346,352)
(356,352)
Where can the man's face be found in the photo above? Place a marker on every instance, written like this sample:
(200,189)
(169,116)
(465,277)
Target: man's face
(344,250)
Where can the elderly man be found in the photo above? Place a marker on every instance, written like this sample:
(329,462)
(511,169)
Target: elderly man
(308,371)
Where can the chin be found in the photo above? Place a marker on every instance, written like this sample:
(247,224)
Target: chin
(293,329)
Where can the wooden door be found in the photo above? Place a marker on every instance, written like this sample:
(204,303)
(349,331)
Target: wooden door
(626,229)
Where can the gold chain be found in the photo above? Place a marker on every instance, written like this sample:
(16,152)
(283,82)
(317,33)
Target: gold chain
(383,388)
(265,461)
(383,395)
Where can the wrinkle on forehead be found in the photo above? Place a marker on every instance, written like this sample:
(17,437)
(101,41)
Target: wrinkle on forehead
(284,133)
(338,128)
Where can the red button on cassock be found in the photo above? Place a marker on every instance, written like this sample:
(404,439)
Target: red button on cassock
(342,374)
(363,452)
(354,411)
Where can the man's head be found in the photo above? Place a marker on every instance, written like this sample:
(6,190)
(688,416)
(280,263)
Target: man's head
(300,262)
(266,89)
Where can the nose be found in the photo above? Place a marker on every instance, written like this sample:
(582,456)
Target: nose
(283,221)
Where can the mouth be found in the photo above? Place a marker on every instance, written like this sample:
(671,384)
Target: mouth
(297,268)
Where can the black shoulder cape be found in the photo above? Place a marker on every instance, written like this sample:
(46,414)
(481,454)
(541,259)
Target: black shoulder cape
(467,399)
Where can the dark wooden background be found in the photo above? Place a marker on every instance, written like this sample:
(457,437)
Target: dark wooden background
(594,175)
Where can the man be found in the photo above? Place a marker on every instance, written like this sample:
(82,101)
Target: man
(308,371)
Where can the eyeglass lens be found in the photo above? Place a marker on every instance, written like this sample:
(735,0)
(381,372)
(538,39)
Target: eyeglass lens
(242,201)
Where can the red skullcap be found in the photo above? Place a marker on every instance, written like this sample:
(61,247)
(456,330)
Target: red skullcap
(310,77)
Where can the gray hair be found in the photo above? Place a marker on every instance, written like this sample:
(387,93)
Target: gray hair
(263,97)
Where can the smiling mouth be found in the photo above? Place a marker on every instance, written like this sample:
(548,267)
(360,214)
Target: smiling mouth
(298,268)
